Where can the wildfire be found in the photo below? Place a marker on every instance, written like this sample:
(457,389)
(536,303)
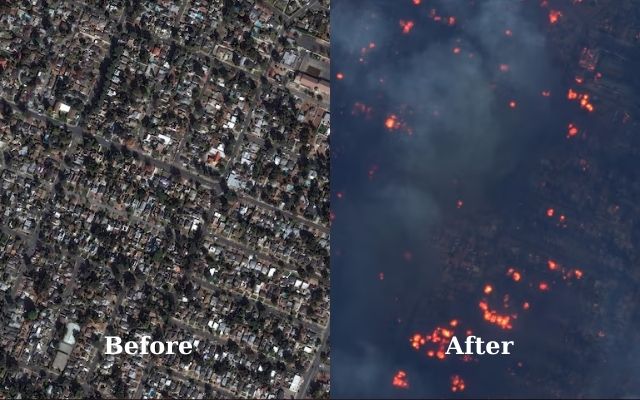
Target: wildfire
(554,16)
(552,265)
(493,317)
(525,305)
(582,98)
(417,2)
(456,50)
(439,338)
(512,104)
(550,212)
(451,21)
(392,122)
(340,76)
(400,380)
(457,383)
(406,26)
(572,130)
(488,289)
(515,275)
(578,273)
(543,286)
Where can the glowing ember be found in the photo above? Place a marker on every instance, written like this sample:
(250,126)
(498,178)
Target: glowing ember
(454,322)
(400,380)
(406,26)
(579,79)
(515,275)
(572,130)
(554,16)
(571,95)
(488,289)
(457,384)
(493,317)
(550,212)
(392,122)
(578,273)
(417,2)
(512,104)
(340,75)
(525,305)
(543,286)
(552,265)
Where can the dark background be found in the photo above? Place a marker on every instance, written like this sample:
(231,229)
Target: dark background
(394,196)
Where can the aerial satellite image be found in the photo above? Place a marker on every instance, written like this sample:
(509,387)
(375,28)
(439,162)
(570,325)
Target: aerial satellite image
(485,174)
(164,199)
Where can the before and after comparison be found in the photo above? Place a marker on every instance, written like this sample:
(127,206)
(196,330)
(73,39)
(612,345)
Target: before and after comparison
(319,199)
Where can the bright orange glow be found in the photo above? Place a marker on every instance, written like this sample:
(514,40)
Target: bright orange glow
(400,380)
(552,265)
(554,16)
(550,212)
(571,95)
(543,286)
(457,383)
(440,355)
(515,275)
(453,322)
(391,122)
(525,305)
(488,289)
(563,218)
(579,79)
(417,2)
(417,340)
(493,317)
(578,273)
(456,50)
(340,75)
(406,26)
(431,353)
(572,130)
(512,104)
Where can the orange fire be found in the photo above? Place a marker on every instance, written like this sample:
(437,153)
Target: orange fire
(340,75)
(552,265)
(543,286)
(572,95)
(572,130)
(515,275)
(453,323)
(550,212)
(392,122)
(493,317)
(512,104)
(554,16)
(400,380)
(457,383)
(525,305)
(406,26)
(488,289)
(578,273)
(417,2)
